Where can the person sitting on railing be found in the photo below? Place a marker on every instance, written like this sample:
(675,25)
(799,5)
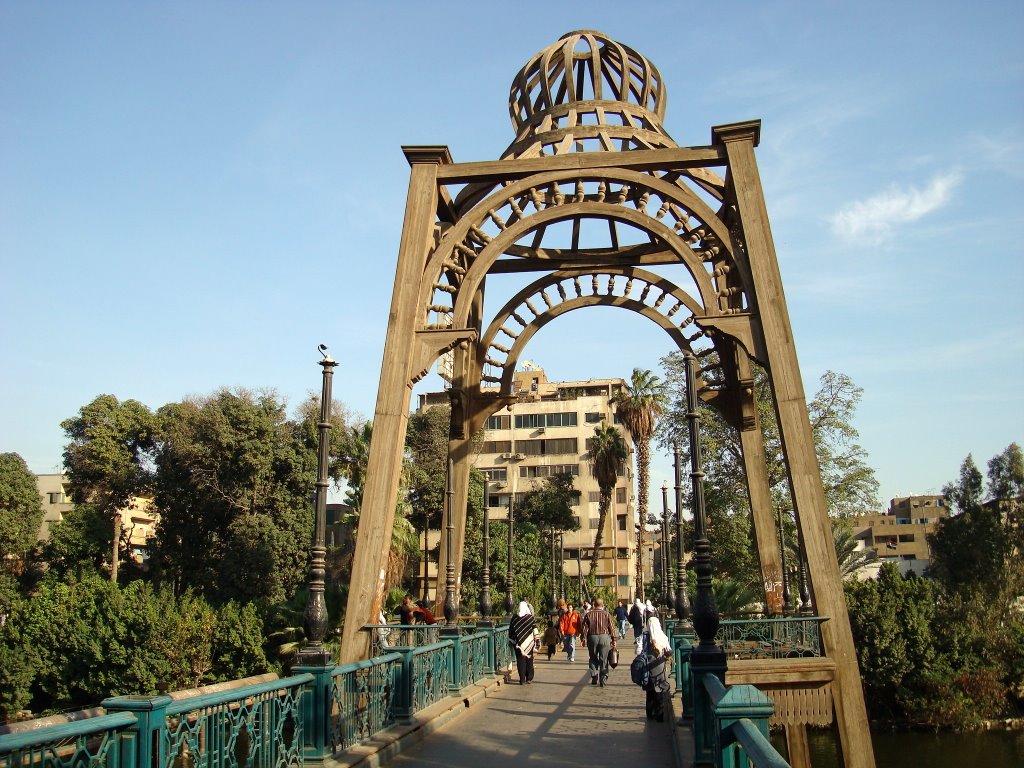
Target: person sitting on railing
(658,648)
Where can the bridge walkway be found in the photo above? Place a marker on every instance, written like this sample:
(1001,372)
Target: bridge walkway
(558,720)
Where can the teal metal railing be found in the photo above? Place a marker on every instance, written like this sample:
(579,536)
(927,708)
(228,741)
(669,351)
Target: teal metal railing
(739,726)
(278,723)
(108,741)
(789,637)
(366,697)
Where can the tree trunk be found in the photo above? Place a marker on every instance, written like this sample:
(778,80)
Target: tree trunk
(603,505)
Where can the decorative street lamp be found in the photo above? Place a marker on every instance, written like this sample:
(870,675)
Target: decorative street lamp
(451,610)
(509,605)
(668,592)
(705,614)
(485,575)
(682,605)
(315,616)
(787,601)
(561,565)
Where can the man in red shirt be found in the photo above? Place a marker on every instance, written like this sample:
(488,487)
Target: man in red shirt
(570,625)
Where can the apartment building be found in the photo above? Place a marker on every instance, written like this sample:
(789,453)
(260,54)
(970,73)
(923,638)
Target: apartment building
(900,535)
(138,520)
(546,432)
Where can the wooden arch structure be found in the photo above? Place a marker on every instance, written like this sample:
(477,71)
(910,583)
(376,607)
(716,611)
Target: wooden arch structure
(596,197)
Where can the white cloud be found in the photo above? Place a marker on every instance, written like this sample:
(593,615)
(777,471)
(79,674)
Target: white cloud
(876,217)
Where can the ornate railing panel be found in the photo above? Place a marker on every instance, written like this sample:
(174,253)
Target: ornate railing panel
(473,658)
(257,726)
(430,674)
(771,638)
(386,637)
(96,741)
(502,651)
(364,698)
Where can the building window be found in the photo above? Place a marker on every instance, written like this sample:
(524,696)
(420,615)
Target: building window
(572,554)
(496,446)
(495,474)
(57,498)
(620,495)
(622,553)
(497,422)
(551,447)
(593,417)
(498,500)
(547,470)
(906,538)
(593,523)
(623,581)
(542,420)
(621,520)
(594,496)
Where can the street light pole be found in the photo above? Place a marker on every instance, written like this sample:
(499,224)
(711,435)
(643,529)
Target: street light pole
(668,592)
(705,615)
(485,575)
(315,616)
(451,610)
(682,605)
(509,605)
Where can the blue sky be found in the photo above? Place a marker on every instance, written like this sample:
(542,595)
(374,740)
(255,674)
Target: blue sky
(195,195)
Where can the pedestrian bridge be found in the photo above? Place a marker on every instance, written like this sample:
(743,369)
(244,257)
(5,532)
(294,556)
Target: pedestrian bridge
(444,696)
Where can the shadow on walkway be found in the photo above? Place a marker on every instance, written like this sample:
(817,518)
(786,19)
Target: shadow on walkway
(558,720)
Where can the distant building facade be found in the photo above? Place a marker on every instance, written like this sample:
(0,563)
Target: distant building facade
(901,534)
(138,519)
(547,432)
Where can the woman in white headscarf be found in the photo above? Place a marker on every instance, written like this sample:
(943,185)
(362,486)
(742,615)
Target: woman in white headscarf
(521,636)
(659,647)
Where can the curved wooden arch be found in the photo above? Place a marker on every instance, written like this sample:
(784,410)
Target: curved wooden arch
(466,251)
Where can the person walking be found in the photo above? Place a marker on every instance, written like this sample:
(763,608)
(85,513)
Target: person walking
(551,637)
(658,650)
(522,638)
(636,619)
(569,626)
(597,626)
(622,618)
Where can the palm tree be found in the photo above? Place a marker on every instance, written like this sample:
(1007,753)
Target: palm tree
(639,403)
(607,452)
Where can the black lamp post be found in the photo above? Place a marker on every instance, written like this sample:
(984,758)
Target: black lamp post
(561,565)
(668,590)
(787,598)
(509,604)
(705,613)
(451,609)
(485,575)
(682,605)
(315,616)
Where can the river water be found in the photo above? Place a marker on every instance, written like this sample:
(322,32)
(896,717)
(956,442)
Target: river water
(984,749)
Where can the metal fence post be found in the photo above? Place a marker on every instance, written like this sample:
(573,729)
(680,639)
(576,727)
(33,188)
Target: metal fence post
(316,712)
(455,681)
(151,728)
(739,701)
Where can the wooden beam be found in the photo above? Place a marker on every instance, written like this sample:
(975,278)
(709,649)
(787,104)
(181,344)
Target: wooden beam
(641,159)
(738,140)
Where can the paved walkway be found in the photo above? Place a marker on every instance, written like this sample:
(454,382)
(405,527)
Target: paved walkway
(559,720)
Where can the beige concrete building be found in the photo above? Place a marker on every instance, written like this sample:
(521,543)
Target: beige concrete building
(546,432)
(901,534)
(56,502)
(138,520)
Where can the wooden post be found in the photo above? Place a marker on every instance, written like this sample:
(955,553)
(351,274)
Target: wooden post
(739,141)
(391,416)
(752,445)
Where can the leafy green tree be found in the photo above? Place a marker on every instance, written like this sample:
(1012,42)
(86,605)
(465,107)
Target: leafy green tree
(21,514)
(607,452)
(1006,474)
(236,647)
(80,543)
(108,459)
(970,548)
(891,618)
(851,559)
(638,405)
(234,481)
(21,509)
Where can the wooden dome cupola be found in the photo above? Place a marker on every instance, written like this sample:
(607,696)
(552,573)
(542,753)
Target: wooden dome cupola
(587,93)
